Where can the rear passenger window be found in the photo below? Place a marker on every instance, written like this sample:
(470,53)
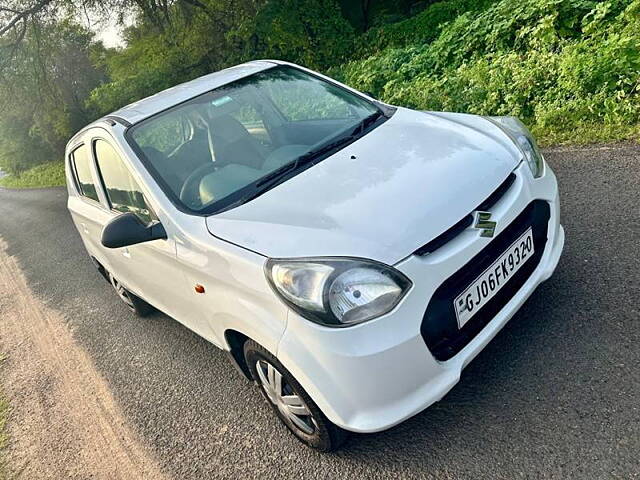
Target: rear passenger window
(82,166)
(122,190)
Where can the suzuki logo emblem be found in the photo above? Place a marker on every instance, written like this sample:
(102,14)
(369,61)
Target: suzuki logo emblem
(483,222)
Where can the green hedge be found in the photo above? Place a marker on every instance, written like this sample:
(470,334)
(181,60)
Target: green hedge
(420,29)
(46,175)
(569,68)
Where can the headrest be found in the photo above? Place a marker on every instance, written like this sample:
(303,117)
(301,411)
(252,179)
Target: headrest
(227,129)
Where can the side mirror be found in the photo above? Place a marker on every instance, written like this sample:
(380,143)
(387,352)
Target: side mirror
(127,229)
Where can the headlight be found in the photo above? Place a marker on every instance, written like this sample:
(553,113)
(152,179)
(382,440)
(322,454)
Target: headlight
(521,136)
(337,292)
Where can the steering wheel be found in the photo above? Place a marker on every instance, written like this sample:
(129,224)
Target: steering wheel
(190,191)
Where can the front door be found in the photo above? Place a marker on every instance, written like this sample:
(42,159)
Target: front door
(149,270)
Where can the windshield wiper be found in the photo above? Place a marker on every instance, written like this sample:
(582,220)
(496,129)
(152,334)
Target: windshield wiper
(265,183)
(355,133)
(367,121)
(276,174)
(273,178)
(313,154)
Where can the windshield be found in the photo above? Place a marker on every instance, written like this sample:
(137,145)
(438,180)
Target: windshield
(231,144)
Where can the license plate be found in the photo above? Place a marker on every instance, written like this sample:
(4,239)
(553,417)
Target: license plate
(496,276)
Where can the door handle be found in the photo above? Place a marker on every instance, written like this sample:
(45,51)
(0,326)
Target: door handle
(84,227)
(126,253)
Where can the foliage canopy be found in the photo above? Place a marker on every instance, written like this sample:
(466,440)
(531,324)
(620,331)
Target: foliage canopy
(568,68)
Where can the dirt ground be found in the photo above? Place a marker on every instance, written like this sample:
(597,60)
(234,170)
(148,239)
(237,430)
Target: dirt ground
(63,421)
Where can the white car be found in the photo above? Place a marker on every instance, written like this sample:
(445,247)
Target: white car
(350,256)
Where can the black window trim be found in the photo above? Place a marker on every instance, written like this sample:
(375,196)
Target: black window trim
(72,166)
(231,200)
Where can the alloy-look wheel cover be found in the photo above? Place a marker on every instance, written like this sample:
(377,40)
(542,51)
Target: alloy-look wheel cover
(282,395)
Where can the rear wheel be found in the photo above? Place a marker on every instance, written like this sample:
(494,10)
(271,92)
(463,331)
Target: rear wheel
(290,402)
(133,302)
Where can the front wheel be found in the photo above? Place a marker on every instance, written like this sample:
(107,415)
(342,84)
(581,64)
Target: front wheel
(133,302)
(290,402)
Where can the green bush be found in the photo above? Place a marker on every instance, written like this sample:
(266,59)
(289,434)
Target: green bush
(46,175)
(423,28)
(569,68)
(566,67)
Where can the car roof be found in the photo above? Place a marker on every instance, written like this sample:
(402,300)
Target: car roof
(138,111)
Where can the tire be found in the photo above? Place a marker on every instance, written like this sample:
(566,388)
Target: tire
(133,302)
(309,424)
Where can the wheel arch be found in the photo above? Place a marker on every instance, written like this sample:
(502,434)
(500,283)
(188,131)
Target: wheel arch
(235,341)
(100,267)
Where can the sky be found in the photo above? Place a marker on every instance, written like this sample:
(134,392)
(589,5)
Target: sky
(109,34)
(109,31)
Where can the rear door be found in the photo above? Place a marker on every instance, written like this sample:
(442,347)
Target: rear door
(86,202)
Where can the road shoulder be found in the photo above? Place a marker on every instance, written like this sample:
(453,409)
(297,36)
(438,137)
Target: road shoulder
(64,422)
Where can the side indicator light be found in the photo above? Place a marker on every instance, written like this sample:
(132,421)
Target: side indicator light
(199,288)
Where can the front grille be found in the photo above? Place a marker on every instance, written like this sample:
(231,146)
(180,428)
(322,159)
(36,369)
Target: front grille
(457,229)
(439,327)
(498,193)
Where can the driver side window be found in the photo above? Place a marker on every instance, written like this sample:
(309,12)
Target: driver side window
(122,190)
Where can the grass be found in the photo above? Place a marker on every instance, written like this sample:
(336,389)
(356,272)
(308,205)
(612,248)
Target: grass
(4,411)
(586,134)
(45,175)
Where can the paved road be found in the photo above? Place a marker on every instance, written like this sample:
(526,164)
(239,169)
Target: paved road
(556,394)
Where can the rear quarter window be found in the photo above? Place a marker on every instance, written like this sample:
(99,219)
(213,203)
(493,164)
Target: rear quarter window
(81,164)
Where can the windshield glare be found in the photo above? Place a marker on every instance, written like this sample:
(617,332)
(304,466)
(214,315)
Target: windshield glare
(210,149)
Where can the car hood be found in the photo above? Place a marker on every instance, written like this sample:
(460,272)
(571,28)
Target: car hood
(383,196)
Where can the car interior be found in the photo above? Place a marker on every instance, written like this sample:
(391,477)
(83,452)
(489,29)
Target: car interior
(225,140)
(221,154)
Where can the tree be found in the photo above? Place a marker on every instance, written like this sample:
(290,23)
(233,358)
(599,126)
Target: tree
(15,16)
(55,78)
(43,91)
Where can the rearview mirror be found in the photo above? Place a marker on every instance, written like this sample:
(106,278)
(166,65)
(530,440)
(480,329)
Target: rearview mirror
(127,229)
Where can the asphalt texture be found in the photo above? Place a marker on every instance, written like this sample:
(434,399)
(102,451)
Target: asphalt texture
(555,395)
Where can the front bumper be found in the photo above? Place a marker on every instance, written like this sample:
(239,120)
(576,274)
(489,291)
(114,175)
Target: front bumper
(372,376)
